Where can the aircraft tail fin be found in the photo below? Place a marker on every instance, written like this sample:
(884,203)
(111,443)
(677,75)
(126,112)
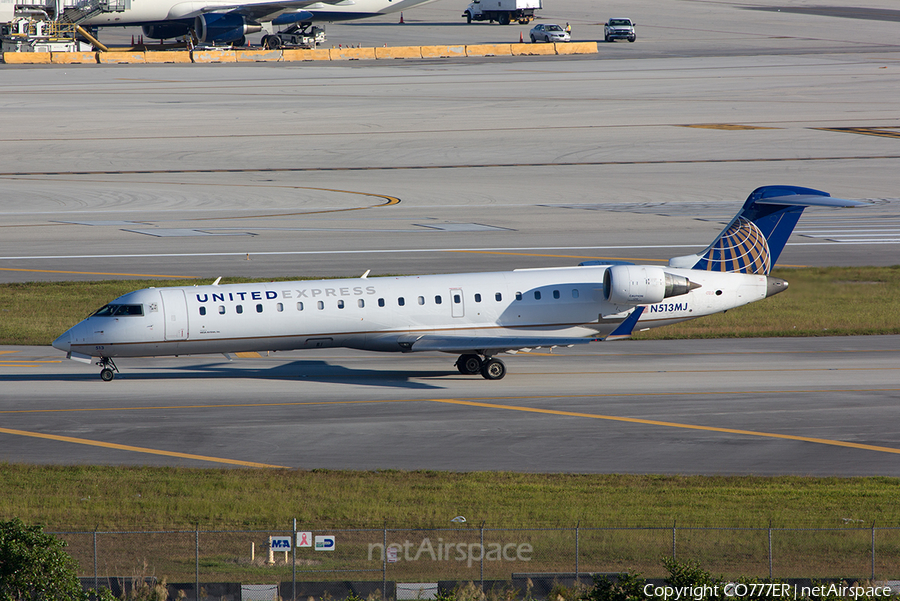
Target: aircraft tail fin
(754,239)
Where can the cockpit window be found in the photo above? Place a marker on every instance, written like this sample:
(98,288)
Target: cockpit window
(119,310)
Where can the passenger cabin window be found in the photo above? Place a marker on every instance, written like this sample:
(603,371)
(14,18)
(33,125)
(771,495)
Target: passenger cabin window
(574,292)
(438,300)
(537,295)
(321,305)
(457,298)
(299,306)
(380,302)
(361,303)
(498,297)
(401,301)
(221,309)
(239,308)
(556,294)
(259,308)
(279,307)
(202,310)
(518,296)
(421,300)
(477,298)
(340,304)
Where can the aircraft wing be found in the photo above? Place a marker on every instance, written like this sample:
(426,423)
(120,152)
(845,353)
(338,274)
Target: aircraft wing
(482,344)
(257,11)
(498,344)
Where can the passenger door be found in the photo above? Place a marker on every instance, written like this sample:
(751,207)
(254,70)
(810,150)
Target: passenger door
(175,314)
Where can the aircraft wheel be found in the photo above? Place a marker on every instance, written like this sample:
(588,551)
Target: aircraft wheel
(469,364)
(106,374)
(493,369)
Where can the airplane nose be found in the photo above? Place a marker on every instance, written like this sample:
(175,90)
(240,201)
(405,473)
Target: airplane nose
(64,342)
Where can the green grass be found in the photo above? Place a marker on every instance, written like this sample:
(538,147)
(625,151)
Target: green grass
(234,508)
(75,498)
(819,302)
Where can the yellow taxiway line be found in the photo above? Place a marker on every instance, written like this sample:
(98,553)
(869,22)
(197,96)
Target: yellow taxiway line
(650,422)
(124,447)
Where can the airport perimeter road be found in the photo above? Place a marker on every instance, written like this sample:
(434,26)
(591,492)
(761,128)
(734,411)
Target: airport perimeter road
(639,152)
(823,406)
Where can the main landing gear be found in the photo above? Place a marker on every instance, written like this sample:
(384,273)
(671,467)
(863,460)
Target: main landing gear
(108,369)
(490,368)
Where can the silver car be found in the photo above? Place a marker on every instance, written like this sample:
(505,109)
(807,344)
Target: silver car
(548,32)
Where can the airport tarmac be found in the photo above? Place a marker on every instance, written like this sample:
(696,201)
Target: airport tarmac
(640,152)
(819,406)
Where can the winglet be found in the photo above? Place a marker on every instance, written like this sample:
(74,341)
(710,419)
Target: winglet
(627,327)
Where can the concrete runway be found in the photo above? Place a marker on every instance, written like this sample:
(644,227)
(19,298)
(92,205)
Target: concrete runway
(299,169)
(822,406)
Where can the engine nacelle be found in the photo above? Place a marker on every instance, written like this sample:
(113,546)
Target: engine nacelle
(227,27)
(642,285)
(165,31)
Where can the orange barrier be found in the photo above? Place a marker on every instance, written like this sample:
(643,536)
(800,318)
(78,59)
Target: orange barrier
(338,54)
(163,56)
(26,58)
(213,56)
(73,58)
(112,58)
(251,56)
(577,48)
(489,50)
(532,49)
(442,51)
(300,54)
(399,52)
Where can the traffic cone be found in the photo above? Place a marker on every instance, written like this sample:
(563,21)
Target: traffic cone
(521,39)
(401,18)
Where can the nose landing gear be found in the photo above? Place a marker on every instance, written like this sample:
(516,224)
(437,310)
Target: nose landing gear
(108,369)
(489,368)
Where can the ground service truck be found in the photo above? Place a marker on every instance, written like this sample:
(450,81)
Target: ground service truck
(502,11)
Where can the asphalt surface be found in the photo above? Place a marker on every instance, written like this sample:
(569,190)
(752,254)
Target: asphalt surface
(823,406)
(640,152)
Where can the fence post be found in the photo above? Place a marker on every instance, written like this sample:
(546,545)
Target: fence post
(673,539)
(770,550)
(384,565)
(873,550)
(482,557)
(294,561)
(96,579)
(197,561)
(577,529)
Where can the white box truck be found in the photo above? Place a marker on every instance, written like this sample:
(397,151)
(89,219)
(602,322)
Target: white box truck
(502,11)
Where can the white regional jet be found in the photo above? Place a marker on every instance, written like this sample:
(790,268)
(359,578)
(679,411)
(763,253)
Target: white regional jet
(477,315)
(227,21)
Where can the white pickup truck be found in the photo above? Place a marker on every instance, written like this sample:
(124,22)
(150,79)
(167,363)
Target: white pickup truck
(619,29)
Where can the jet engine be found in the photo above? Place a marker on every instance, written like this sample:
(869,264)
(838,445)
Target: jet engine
(641,285)
(165,31)
(219,27)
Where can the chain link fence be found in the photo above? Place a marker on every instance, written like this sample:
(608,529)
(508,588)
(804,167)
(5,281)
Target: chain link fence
(392,563)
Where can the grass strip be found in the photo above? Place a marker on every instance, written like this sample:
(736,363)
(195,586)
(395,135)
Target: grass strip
(819,302)
(154,498)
